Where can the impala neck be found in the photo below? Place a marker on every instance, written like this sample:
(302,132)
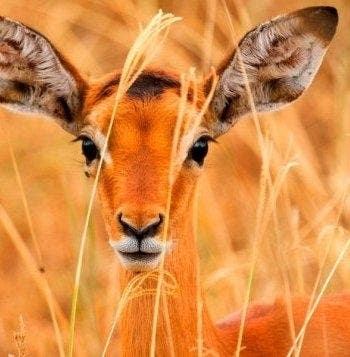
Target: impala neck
(178,325)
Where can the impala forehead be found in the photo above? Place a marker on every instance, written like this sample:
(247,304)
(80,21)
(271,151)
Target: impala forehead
(144,126)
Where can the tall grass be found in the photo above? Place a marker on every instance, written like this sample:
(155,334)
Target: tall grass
(37,277)
(136,61)
(269,207)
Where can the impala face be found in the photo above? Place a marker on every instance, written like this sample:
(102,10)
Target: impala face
(134,181)
(280,57)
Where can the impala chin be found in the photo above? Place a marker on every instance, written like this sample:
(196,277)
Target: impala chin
(140,256)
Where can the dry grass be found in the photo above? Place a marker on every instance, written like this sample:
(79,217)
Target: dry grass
(300,203)
(136,61)
(20,337)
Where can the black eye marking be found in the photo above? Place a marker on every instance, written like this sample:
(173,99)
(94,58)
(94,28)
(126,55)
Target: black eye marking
(199,150)
(89,149)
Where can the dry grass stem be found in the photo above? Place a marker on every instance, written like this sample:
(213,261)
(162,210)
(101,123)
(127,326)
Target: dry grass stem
(318,298)
(176,136)
(199,299)
(39,278)
(25,204)
(274,188)
(20,338)
(136,61)
(135,290)
(168,325)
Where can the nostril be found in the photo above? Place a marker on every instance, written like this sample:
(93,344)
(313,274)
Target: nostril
(153,226)
(127,227)
(149,229)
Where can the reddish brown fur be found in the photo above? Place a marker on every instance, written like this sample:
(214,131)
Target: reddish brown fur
(136,182)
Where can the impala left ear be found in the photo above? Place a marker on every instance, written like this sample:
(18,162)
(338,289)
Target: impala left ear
(280,58)
(35,78)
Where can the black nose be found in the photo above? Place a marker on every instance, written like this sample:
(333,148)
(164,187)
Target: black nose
(148,230)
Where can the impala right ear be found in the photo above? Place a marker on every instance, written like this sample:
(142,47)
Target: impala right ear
(35,78)
(278,59)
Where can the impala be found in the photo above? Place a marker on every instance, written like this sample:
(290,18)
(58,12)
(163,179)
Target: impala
(281,58)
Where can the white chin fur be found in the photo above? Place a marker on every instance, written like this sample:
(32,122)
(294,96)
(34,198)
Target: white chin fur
(151,247)
(139,264)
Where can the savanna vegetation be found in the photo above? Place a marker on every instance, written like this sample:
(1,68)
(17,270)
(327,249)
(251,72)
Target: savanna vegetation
(303,213)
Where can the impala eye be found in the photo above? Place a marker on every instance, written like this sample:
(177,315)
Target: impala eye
(89,149)
(199,150)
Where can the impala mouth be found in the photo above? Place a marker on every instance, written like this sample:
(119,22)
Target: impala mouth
(140,256)
(139,261)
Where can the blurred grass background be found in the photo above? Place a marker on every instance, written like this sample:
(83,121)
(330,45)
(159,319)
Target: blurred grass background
(312,213)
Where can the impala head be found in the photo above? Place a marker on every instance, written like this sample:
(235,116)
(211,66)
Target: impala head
(281,57)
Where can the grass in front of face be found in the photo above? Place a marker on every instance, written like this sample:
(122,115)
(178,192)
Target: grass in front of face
(315,132)
(145,47)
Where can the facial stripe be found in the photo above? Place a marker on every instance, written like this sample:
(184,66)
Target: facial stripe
(148,85)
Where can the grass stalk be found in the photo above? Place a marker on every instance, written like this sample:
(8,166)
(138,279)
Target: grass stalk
(327,230)
(168,325)
(319,297)
(133,66)
(176,136)
(199,299)
(25,204)
(38,277)
(135,289)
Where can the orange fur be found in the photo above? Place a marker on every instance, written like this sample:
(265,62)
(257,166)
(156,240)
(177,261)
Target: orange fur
(281,57)
(136,180)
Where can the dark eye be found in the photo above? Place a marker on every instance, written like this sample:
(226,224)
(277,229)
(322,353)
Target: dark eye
(199,150)
(89,149)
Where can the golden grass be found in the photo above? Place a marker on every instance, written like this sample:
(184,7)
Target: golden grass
(40,262)
(185,84)
(139,56)
(265,151)
(36,274)
(20,337)
(288,208)
(134,290)
(188,81)
(313,307)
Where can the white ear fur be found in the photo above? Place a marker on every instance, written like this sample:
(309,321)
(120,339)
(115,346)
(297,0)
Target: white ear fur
(35,78)
(280,57)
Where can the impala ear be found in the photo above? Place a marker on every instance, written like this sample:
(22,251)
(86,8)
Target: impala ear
(280,58)
(35,78)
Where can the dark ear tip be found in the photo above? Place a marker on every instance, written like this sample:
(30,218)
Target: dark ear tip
(321,20)
(332,11)
(330,14)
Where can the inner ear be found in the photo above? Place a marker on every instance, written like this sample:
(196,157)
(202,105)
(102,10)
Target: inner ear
(35,78)
(278,59)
